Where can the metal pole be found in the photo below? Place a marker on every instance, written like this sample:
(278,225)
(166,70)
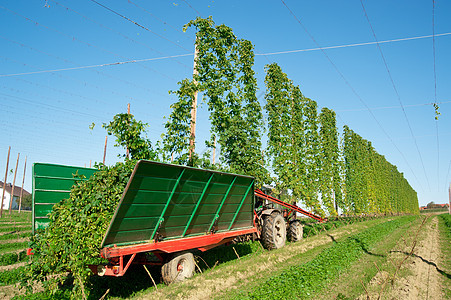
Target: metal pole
(14,184)
(23,181)
(193,110)
(4,183)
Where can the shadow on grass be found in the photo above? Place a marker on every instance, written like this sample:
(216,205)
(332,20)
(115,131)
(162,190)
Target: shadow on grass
(431,263)
(332,238)
(365,248)
(135,279)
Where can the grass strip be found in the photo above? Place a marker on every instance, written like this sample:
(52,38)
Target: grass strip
(311,229)
(11,276)
(13,246)
(303,281)
(15,228)
(445,241)
(12,258)
(14,235)
(356,281)
(14,224)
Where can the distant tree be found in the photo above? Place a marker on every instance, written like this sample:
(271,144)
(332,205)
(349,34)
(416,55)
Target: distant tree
(27,201)
(430,205)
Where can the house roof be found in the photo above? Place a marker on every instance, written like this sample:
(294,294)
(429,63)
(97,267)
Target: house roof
(17,189)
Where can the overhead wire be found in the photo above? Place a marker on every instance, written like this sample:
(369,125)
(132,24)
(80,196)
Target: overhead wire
(354,45)
(48,105)
(396,92)
(352,89)
(80,41)
(84,83)
(392,107)
(97,66)
(155,17)
(192,8)
(115,31)
(192,54)
(137,24)
(79,107)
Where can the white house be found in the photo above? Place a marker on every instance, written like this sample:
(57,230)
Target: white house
(7,199)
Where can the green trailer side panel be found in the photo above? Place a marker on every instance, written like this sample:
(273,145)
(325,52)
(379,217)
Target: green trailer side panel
(147,197)
(51,184)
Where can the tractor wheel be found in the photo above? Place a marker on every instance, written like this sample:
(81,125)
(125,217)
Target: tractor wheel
(180,267)
(274,231)
(295,231)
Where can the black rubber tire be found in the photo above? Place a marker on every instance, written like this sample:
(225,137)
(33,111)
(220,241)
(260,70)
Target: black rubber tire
(295,231)
(180,267)
(274,231)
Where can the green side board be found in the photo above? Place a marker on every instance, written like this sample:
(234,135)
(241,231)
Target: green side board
(51,184)
(168,201)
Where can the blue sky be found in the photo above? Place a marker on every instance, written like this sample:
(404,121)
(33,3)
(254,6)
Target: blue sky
(46,116)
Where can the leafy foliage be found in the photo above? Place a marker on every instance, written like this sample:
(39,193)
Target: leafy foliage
(330,179)
(372,184)
(128,132)
(177,137)
(225,77)
(293,144)
(77,225)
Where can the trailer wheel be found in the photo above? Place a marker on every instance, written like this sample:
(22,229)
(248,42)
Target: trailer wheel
(274,231)
(295,231)
(177,269)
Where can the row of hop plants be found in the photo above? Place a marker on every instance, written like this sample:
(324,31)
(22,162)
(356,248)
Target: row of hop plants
(322,169)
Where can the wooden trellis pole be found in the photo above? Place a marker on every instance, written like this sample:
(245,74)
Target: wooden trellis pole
(128,112)
(192,138)
(4,183)
(104,149)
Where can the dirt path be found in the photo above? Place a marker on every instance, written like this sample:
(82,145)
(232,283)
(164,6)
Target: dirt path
(11,267)
(424,281)
(16,240)
(218,282)
(419,275)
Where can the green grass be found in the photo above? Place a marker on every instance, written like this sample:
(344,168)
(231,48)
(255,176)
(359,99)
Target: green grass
(12,258)
(15,228)
(11,276)
(433,210)
(24,216)
(445,242)
(13,246)
(15,235)
(293,253)
(305,280)
(349,283)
